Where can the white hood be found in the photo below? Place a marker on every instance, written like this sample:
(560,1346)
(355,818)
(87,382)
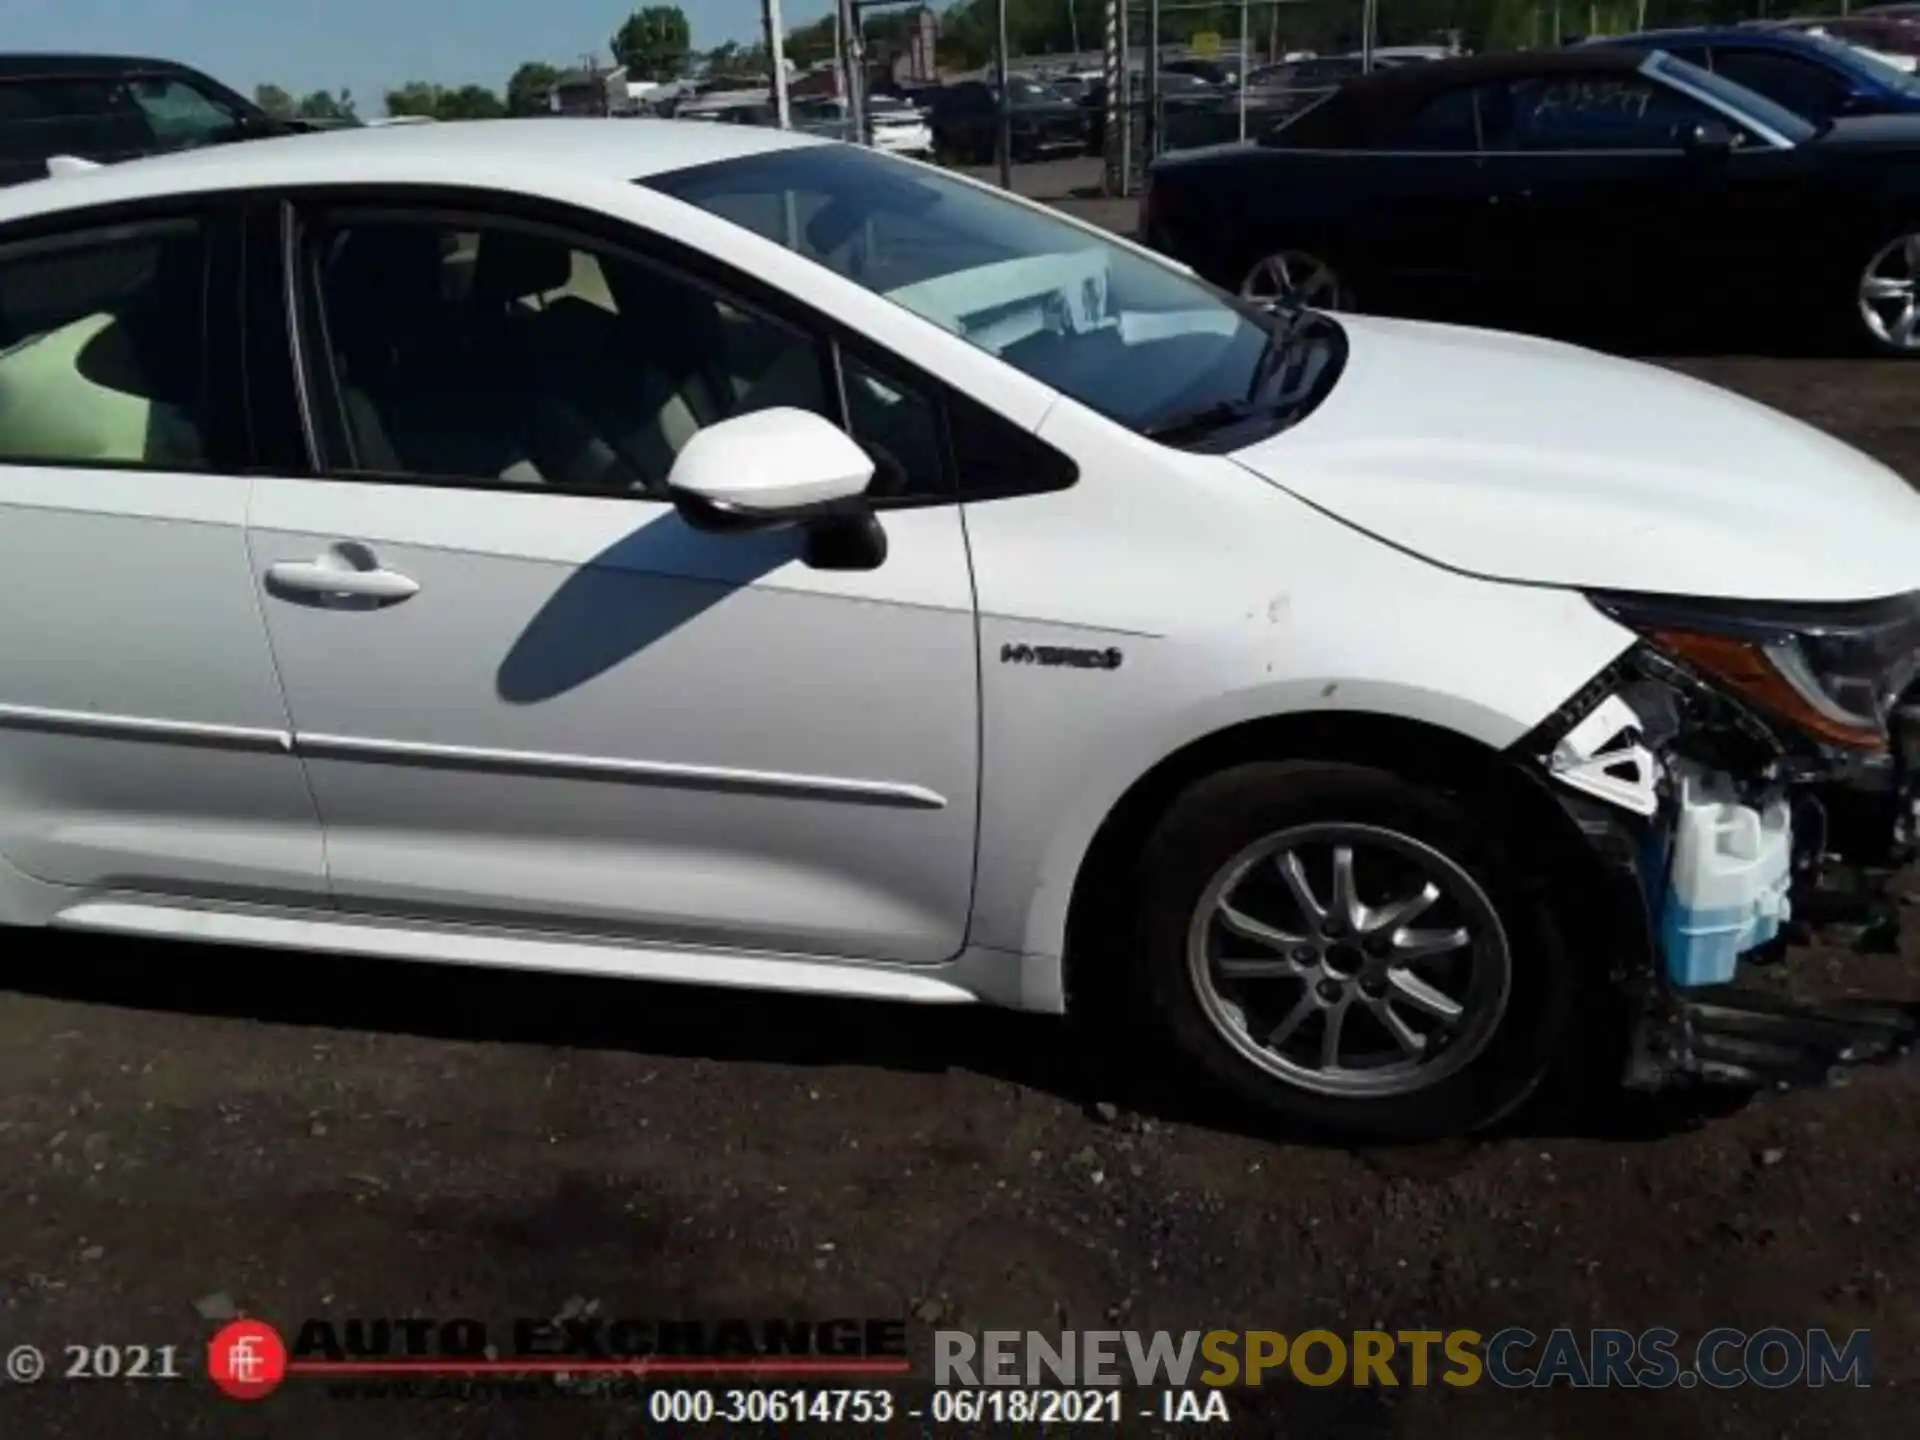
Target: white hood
(1525,459)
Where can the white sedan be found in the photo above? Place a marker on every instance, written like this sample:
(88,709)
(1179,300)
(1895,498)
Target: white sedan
(706,554)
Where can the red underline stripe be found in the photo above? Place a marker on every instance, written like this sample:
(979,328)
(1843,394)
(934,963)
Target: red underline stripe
(598,1367)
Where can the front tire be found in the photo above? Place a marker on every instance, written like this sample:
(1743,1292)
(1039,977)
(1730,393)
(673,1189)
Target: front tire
(1886,298)
(1349,951)
(1296,277)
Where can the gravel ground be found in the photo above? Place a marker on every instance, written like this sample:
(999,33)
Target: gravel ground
(185,1133)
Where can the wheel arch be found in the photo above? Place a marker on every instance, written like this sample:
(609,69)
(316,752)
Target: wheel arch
(1415,749)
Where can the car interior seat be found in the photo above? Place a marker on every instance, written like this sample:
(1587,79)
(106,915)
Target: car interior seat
(422,390)
(106,359)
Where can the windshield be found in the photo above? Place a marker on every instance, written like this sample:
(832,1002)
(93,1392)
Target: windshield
(1128,336)
(1738,98)
(1864,64)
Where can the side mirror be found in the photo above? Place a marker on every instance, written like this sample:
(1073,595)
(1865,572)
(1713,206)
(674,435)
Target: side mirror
(1709,137)
(773,468)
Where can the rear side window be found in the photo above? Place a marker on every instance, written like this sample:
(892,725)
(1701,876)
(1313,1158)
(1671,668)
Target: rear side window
(51,116)
(1329,123)
(1449,121)
(103,348)
(1597,112)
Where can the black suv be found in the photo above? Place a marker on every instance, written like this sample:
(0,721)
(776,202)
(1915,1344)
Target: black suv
(106,108)
(1040,121)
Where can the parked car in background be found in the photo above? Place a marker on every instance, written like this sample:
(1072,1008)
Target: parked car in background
(1814,76)
(1885,37)
(1593,185)
(1310,702)
(1040,120)
(1074,84)
(1385,56)
(1182,96)
(107,108)
(1278,91)
(894,125)
(1221,74)
(731,107)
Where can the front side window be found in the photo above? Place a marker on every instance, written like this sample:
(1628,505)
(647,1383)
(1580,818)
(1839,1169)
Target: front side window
(1749,104)
(1802,86)
(491,352)
(103,348)
(1134,339)
(182,114)
(481,353)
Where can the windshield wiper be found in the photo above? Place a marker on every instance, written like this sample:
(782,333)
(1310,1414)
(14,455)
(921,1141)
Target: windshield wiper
(1218,414)
(1202,419)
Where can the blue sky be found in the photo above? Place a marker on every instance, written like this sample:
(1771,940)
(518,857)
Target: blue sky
(370,46)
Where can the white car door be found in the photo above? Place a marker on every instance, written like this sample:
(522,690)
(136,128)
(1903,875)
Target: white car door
(144,743)
(526,691)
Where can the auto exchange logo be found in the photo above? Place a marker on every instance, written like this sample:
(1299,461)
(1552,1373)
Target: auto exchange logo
(249,1359)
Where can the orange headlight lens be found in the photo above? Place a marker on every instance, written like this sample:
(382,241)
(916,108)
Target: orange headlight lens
(1755,671)
(1833,672)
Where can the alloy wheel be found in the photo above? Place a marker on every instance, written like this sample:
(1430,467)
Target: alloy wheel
(1349,960)
(1297,278)
(1889,305)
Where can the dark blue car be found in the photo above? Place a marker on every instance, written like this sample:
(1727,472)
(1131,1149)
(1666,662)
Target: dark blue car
(1813,75)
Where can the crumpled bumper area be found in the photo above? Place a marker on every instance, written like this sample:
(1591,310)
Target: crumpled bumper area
(1727,840)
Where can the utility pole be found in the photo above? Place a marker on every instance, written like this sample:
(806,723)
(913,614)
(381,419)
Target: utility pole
(596,87)
(1150,147)
(1246,7)
(1369,18)
(777,58)
(853,66)
(1113,67)
(1004,129)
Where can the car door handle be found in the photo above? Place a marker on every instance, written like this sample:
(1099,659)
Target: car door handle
(313,577)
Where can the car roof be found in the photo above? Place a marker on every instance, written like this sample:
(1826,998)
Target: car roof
(1782,35)
(29,65)
(1389,84)
(1436,73)
(471,152)
(1374,105)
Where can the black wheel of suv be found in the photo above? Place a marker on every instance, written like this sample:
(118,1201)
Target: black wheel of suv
(1349,951)
(1299,277)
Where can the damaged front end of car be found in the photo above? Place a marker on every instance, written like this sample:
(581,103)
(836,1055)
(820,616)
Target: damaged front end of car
(1745,772)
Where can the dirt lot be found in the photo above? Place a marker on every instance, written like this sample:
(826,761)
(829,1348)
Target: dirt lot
(185,1133)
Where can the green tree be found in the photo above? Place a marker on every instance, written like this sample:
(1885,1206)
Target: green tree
(416,97)
(653,43)
(275,101)
(439,102)
(324,105)
(527,88)
(470,102)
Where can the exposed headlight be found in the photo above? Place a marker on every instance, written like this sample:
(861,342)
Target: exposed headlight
(1833,672)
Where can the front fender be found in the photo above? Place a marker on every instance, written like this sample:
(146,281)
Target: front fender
(1236,602)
